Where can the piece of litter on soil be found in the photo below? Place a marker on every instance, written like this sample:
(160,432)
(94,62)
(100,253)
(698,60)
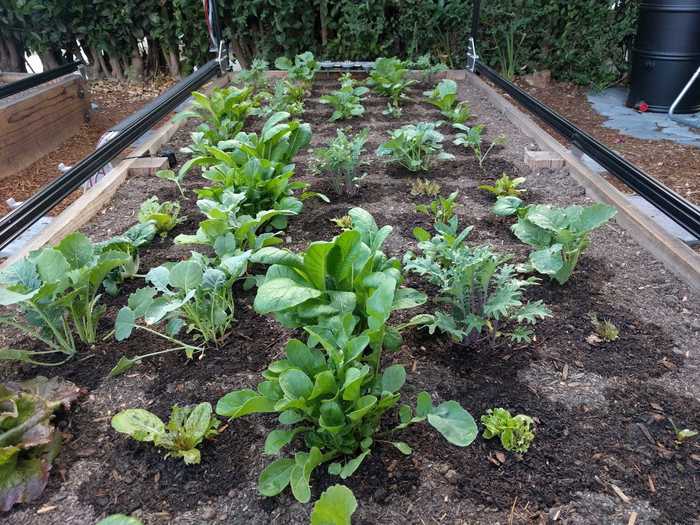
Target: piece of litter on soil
(652,487)
(47,508)
(624,497)
(633,518)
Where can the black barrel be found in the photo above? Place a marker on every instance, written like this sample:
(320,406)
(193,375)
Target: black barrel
(666,53)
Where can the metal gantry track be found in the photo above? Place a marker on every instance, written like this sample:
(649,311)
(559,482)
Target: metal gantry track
(20,219)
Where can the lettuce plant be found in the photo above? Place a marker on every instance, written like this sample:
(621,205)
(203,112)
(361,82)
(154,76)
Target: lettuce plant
(516,432)
(335,507)
(559,235)
(187,428)
(472,137)
(302,70)
(415,147)
(388,78)
(346,101)
(341,159)
(223,112)
(326,392)
(444,97)
(425,187)
(484,294)
(441,209)
(505,187)
(164,215)
(29,442)
(54,288)
(349,274)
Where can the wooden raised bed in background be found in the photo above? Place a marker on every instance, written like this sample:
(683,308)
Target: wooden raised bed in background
(38,120)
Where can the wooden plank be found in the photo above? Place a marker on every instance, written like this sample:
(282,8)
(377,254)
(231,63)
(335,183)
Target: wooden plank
(92,201)
(675,255)
(39,121)
(8,78)
(147,166)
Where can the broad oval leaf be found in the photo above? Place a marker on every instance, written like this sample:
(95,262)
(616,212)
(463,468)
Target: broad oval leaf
(138,423)
(275,477)
(454,423)
(335,507)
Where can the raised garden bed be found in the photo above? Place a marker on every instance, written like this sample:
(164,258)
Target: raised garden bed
(604,451)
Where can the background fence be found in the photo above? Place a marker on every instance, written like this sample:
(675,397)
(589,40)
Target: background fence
(585,41)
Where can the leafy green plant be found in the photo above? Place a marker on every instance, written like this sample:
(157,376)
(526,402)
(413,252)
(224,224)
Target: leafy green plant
(441,209)
(508,53)
(444,97)
(336,506)
(256,75)
(505,187)
(198,296)
(346,101)
(516,432)
(336,401)
(683,435)
(484,294)
(415,147)
(349,274)
(344,222)
(425,187)
(29,442)
(393,110)
(164,215)
(119,519)
(54,288)
(223,112)
(559,235)
(302,70)
(472,137)
(388,78)
(428,67)
(605,329)
(186,429)
(340,159)
(286,96)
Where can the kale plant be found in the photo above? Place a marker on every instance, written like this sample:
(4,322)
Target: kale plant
(164,215)
(346,101)
(256,75)
(187,428)
(444,97)
(388,78)
(516,432)
(302,70)
(484,294)
(441,209)
(340,159)
(472,137)
(415,147)
(505,187)
(29,442)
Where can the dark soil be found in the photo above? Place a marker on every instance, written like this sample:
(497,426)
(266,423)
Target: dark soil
(603,411)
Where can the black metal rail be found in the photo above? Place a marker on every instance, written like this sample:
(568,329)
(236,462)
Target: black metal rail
(37,80)
(17,221)
(678,209)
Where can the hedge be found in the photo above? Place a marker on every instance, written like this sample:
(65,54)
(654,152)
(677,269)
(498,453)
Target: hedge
(585,41)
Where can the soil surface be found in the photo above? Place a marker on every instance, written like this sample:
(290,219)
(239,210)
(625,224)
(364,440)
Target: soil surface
(605,451)
(115,101)
(675,165)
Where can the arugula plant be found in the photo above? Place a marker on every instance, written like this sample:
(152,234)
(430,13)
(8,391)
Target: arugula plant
(340,159)
(472,137)
(349,274)
(325,392)
(223,113)
(54,289)
(346,101)
(29,442)
(441,209)
(415,147)
(256,75)
(505,187)
(484,294)
(336,506)
(388,78)
(186,429)
(164,215)
(444,97)
(559,235)
(425,187)
(515,432)
(302,70)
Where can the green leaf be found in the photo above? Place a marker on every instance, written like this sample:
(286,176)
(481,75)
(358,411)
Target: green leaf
(454,423)
(408,298)
(275,477)
(281,293)
(393,378)
(324,383)
(404,448)
(548,261)
(335,507)
(186,275)
(138,423)
(122,366)
(119,519)
(506,206)
(352,465)
(52,265)
(279,438)
(295,384)
(124,324)
(199,421)
(77,249)
(243,402)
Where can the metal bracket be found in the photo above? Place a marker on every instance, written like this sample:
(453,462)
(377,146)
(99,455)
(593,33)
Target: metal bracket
(222,56)
(678,101)
(472,55)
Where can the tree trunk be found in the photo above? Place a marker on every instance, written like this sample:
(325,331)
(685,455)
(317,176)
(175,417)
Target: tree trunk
(4,56)
(116,66)
(103,64)
(173,63)
(94,69)
(48,60)
(135,70)
(15,55)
